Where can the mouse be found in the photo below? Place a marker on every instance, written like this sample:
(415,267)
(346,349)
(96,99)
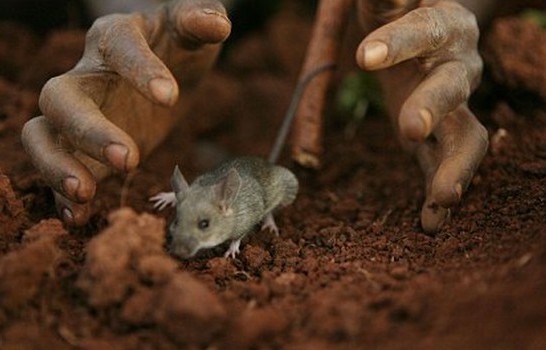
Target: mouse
(230,201)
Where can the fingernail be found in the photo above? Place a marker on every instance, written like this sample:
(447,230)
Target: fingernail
(205,26)
(68,217)
(71,186)
(162,90)
(117,155)
(213,13)
(375,53)
(426,118)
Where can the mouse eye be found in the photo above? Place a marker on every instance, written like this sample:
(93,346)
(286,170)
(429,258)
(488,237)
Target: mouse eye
(203,224)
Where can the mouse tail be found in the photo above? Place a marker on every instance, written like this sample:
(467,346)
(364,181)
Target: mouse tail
(292,109)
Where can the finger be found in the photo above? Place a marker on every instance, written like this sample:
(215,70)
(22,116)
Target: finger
(450,164)
(464,143)
(420,33)
(433,216)
(61,170)
(73,214)
(121,42)
(200,22)
(442,91)
(79,120)
(126,40)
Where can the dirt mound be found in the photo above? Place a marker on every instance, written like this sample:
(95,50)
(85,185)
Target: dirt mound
(351,268)
(128,270)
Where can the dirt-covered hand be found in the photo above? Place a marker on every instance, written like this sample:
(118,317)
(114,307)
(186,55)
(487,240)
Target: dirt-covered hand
(426,56)
(133,83)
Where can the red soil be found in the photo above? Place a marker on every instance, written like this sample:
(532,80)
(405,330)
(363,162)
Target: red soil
(351,268)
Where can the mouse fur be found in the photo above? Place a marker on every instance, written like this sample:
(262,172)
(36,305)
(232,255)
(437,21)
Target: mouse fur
(226,203)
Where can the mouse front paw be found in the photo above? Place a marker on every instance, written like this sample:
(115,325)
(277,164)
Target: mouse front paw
(233,249)
(163,199)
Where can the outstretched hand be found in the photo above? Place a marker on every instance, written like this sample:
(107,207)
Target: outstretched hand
(135,79)
(426,56)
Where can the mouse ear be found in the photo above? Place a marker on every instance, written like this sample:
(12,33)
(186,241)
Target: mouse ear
(227,189)
(178,183)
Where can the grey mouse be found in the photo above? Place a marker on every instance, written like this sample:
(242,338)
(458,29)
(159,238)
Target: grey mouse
(228,202)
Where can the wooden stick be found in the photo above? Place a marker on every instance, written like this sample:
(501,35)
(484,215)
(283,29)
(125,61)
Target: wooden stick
(324,46)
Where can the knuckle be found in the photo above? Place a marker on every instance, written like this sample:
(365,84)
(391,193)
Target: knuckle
(102,25)
(458,89)
(475,69)
(464,89)
(99,28)
(463,23)
(483,136)
(108,29)
(49,90)
(437,34)
(450,26)
(469,19)
(50,85)
(27,132)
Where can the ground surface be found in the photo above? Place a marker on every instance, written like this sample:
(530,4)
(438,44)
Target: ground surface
(351,268)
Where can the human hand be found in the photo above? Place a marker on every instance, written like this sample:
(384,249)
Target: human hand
(427,60)
(136,77)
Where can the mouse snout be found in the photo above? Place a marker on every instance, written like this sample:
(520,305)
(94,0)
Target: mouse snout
(184,247)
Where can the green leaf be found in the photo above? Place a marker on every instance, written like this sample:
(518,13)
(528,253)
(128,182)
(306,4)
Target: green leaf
(536,16)
(356,89)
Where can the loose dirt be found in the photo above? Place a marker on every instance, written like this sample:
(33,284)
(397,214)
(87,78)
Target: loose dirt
(351,267)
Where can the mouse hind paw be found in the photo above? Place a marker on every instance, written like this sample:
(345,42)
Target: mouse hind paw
(163,199)
(269,224)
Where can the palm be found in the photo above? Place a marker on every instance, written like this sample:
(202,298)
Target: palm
(101,111)
(428,62)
